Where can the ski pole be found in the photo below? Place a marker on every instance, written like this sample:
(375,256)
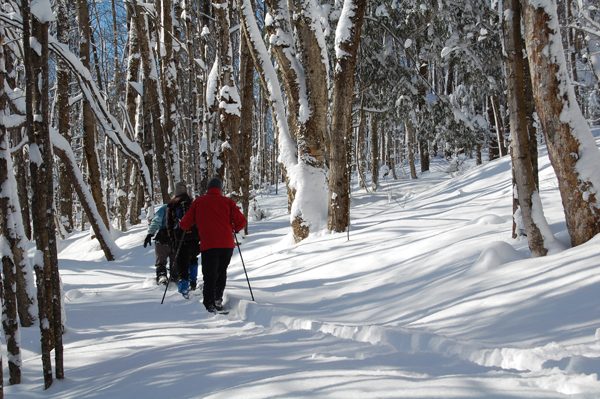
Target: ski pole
(174,265)
(247,279)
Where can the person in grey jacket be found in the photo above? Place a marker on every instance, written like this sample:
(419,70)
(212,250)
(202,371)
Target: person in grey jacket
(163,248)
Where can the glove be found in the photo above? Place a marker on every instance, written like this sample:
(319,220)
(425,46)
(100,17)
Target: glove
(148,240)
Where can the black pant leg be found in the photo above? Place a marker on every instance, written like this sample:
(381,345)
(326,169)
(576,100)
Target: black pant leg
(183,260)
(210,265)
(224,259)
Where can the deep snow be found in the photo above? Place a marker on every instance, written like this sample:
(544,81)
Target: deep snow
(429,298)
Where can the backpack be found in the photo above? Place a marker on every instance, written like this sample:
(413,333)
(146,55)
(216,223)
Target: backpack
(180,210)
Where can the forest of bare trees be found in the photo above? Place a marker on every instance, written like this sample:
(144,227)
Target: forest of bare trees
(105,105)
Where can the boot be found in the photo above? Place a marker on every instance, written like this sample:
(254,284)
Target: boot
(184,288)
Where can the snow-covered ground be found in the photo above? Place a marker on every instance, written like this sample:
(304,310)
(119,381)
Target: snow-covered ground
(428,297)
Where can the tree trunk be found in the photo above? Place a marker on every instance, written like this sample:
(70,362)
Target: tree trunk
(531,129)
(63,151)
(521,156)
(361,158)
(170,89)
(283,47)
(312,128)
(89,120)
(494,147)
(63,112)
(347,40)
(410,145)
(229,103)
(245,149)
(374,130)
(153,137)
(571,146)
(38,143)
(499,125)
(10,320)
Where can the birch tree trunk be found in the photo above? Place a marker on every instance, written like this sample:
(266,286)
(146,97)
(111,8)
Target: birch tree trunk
(499,125)
(347,39)
(521,155)
(312,119)
(571,146)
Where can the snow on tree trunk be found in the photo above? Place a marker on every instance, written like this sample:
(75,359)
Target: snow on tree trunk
(64,198)
(168,57)
(10,320)
(35,48)
(45,210)
(346,46)
(45,330)
(520,153)
(592,41)
(282,45)
(109,123)
(571,146)
(228,100)
(152,99)
(65,153)
(309,210)
(300,176)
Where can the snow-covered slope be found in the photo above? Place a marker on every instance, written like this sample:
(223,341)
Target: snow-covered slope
(428,296)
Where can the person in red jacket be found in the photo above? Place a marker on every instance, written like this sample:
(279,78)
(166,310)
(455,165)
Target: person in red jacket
(216,217)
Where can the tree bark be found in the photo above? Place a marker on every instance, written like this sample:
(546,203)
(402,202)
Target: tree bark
(341,125)
(229,103)
(63,111)
(153,137)
(499,125)
(374,130)
(38,144)
(89,120)
(571,146)
(410,146)
(10,320)
(521,155)
(245,149)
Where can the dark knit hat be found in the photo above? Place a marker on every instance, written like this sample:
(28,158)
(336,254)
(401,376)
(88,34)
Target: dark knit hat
(180,188)
(215,182)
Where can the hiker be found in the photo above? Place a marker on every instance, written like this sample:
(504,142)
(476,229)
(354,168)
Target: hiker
(162,248)
(216,217)
(184,240)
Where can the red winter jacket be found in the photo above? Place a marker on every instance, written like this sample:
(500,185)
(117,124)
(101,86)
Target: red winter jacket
(216,217)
